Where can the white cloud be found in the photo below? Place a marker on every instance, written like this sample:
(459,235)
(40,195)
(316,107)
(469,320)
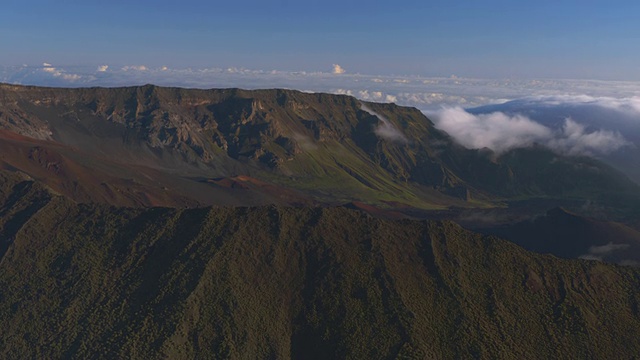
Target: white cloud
(496,131)
(629,104)
(337,69)
(343,92)
(71,77)
(102,68)
(427,94)
(60,73)
(385,129)
(46,64)
(501,132)
(574,140)
(134,68)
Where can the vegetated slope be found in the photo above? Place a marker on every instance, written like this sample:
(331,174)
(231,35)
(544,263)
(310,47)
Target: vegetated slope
(90,281)
(147,141)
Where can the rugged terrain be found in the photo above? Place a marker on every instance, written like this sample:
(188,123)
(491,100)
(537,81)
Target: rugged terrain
(150,146)
(271,282)
(150,222)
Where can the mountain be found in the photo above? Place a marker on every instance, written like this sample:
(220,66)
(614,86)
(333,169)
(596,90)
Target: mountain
(85,281)
(154,146)
(150,222)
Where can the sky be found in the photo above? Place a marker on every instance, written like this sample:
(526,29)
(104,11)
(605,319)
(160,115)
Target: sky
(442,57)
(470,39)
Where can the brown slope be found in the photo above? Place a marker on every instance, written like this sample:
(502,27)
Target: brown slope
(87,177)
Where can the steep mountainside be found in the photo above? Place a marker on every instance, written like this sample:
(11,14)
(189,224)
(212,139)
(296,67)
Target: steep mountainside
(148,145)
(109,248)
(87,281)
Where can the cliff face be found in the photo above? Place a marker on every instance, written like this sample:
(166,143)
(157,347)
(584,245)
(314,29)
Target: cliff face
(92,266)
(137,146)
(277,282)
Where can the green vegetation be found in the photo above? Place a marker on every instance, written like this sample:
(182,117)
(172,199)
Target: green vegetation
(83,277)
(88,281)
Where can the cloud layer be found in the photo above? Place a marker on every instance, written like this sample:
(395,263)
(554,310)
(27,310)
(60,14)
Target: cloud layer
(495,131)
(428,94)
(502,132)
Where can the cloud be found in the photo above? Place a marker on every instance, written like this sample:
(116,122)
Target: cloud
(102,68)
(337,69)
(496,131)
(427,94)
(502,132)
(385,129)
(60,73)
(134,68)
(574,140)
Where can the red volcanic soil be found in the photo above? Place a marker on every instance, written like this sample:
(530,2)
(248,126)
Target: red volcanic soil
(376,211)
(269,193)
(87,177)
(9,135)
(228,183)
(81,177)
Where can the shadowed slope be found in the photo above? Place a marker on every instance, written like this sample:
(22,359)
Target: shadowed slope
(273,282)
(570,236)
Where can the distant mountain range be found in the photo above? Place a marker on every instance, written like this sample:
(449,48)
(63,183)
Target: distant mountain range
(164,222)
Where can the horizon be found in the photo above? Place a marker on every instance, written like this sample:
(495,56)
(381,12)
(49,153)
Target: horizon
(425,93)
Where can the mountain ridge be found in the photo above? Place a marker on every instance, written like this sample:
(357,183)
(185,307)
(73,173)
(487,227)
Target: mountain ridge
(333,148)
(109,245)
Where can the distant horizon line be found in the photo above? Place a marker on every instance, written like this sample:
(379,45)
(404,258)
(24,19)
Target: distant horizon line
(128,67)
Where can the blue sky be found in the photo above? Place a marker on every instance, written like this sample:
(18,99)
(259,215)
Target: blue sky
(478,39)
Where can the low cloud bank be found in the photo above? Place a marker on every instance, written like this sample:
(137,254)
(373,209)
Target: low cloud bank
(502,132)
(629,105)
(496,131)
